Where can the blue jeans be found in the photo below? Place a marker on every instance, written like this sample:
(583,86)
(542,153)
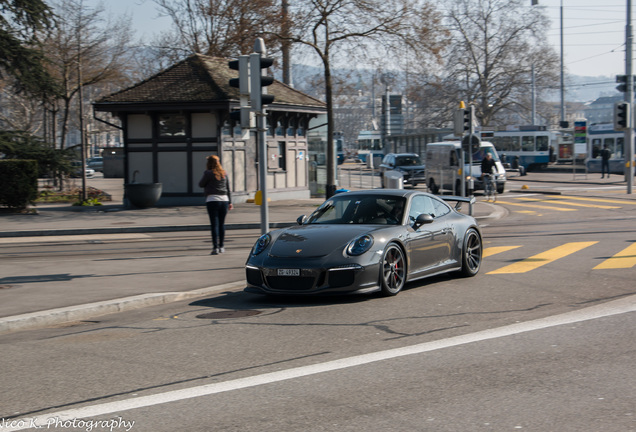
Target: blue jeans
(217,211)
(605,167)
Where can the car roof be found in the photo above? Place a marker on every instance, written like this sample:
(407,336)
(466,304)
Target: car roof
(375,192)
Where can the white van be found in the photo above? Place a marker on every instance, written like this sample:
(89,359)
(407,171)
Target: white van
(443,171)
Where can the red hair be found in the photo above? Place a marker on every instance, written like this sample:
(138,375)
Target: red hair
(214,164)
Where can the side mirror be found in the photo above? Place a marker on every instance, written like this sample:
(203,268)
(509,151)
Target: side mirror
(301,219)
(422,219)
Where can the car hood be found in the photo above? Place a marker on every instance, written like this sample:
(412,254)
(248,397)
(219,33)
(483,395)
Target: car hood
(410,168)
(315,240)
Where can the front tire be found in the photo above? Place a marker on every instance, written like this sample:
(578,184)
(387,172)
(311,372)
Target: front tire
(393,270)
(471,253)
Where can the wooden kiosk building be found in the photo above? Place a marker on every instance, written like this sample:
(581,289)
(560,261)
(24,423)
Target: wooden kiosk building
(176,118)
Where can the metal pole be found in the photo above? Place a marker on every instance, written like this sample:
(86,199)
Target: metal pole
(262,169)
(562,75)
(261,139)
(534,98)
(629,98)
(80,97)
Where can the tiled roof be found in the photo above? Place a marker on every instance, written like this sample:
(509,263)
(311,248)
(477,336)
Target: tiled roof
(200,79)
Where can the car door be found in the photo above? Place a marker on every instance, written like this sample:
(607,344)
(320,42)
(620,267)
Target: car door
(387,163)
(429,245)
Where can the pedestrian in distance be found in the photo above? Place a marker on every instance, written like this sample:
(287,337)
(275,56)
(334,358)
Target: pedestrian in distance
(488,169)
(218,200)
(605,157)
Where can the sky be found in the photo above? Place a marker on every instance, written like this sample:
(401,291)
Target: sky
(593,30)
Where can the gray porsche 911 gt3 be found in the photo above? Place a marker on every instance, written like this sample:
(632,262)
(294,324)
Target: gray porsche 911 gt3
(365,241)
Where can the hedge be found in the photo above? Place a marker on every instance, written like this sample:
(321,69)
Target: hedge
(19,183)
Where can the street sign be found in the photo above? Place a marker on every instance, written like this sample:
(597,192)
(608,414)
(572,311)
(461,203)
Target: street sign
(580,137)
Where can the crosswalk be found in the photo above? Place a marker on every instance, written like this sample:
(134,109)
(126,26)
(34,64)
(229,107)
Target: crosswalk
(622,259)
(562,203)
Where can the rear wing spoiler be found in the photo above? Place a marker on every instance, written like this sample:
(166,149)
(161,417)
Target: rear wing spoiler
(459,200)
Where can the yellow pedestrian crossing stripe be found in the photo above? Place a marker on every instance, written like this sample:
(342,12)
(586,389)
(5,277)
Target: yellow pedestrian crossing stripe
(543,258)
(603,200)
(536,206)
(497,249)
(624,259)
(548,202)
(574,204)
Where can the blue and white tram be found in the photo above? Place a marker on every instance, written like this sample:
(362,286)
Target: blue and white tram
(370,145)
(599,135)
(531,147)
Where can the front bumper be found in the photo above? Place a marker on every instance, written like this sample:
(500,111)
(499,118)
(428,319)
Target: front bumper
(344,279)
(417,177)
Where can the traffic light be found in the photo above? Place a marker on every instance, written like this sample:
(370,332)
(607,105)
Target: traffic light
(458,122)
(242,65)
(464,120)
(258,94)
(622,119)
(622,80)
(469,120)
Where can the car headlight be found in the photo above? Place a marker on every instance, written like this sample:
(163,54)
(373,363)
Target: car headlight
(261,244)
(360,245)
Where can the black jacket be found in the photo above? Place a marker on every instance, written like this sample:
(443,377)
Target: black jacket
(487,166)
(212,186)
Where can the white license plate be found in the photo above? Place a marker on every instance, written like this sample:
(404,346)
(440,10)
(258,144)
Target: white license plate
(288,272)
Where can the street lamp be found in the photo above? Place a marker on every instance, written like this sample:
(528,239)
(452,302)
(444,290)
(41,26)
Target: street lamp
(563,122)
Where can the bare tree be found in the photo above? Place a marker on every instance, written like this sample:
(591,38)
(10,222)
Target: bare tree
(86,41)
(495,45)
(222,28)
(361,30)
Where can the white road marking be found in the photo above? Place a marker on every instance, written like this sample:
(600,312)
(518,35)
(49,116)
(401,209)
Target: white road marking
(615,307)
(72,238)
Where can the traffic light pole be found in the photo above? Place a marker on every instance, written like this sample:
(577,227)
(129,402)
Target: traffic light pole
(258,96)
(629,98)
(252,85)
(261,138)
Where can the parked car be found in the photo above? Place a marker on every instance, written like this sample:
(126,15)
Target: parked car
(408,164)
(367,241)
(77,170)
(96,163)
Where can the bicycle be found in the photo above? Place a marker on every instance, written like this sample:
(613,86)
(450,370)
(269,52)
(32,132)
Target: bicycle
(490,189)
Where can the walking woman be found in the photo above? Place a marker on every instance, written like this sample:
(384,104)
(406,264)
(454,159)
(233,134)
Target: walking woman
(218,200)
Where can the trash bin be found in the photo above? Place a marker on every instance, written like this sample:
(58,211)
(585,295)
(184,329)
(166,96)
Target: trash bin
(393,180)
(142,195)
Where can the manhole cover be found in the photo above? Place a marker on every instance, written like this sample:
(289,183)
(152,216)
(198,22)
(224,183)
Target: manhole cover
(229,314)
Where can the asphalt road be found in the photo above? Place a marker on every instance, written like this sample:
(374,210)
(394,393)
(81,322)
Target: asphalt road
(541,340)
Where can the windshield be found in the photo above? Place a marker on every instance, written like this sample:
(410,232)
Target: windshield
(479,155)
(359,209)
(408,161)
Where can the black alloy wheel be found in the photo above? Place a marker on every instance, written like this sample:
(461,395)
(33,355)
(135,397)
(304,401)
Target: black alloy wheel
(393,270)
(471,253)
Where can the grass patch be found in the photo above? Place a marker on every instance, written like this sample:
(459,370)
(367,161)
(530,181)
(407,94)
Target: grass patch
(93,196)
